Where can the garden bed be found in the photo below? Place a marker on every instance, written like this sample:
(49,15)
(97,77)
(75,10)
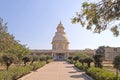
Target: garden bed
(16,72)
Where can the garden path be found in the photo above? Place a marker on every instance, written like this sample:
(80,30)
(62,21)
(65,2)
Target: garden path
(58,70)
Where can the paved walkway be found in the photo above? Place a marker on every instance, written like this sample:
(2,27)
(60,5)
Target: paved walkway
(56,71)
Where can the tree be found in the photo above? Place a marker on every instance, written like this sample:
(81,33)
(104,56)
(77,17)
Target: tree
(3,26)
(100,50)
(48,57)
(88,61)
(20,51)
(81,60)
(8,44)
(81,55)
(33,58)
(116,64)
(26,59)
(75,58)
(70,57)
(42,58)
(6,40)
(98,59)
(100,16)
(8,60)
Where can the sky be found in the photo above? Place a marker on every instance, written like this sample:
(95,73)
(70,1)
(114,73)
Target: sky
(34,22)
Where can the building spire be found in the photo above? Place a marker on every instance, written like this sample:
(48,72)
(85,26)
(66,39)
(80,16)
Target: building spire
(60,22)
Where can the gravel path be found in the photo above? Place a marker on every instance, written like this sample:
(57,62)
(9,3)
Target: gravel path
(59,70)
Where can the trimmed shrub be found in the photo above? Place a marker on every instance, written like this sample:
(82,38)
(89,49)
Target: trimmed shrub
(70,61)
(101,74)
(16,72)
(80,66)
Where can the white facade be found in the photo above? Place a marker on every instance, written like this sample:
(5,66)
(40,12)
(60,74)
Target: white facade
(60,43)
(60,40)
(60,46)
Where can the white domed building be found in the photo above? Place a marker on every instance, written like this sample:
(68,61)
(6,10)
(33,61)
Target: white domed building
(60,46)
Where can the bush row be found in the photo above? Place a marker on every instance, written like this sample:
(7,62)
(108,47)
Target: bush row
(16,72)
(80,66)
(97,73)
(70,61)
(101,74)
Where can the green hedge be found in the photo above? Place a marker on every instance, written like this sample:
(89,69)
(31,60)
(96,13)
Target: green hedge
(101,74)
(97,73)
(79,66)
(17,72)
(69,61)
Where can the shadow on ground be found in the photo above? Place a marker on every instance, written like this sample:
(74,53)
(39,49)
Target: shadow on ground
(69,66)
(73,72)
(77,76)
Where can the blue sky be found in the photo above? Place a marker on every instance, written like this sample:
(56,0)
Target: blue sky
(34,23)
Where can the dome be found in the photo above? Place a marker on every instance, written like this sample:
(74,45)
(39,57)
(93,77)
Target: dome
(60,35)
(60,38)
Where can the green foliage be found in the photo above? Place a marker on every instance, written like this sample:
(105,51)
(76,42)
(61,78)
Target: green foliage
(8,60)
(101,74)
(116,64)
(88,61)
(3,26)
(99,16)
(48,58)
(98,59)
(33,58)
(80,66)
(81,60)
(8,44)
(16,72)
(70,59)
(100,50)
(81,55)
(42,58)
(26,59)
(75,58)
(97,73)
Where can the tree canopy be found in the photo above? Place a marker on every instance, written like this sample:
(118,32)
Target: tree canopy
(8,44)
(100,16)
